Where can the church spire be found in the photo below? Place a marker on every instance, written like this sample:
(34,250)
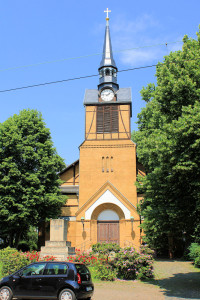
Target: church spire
(107,58)
(107,68)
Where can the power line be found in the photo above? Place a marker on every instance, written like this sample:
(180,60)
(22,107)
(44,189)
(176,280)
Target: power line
(69,79)
(85,56)
(47,83)
(84,77)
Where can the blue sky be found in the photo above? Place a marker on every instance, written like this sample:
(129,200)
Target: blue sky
(69,37)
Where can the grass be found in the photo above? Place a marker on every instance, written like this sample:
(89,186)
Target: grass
(0,269)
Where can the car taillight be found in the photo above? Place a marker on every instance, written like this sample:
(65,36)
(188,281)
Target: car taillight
(79,278)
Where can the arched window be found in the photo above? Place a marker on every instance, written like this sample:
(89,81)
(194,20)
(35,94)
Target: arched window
(108,215)
(107,72)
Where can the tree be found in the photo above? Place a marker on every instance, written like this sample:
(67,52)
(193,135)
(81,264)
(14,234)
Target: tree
(29,179)
(168,145)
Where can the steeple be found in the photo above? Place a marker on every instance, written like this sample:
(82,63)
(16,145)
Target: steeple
(107,69)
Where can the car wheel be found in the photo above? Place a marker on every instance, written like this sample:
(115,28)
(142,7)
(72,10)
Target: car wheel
(67,294)
(5,293)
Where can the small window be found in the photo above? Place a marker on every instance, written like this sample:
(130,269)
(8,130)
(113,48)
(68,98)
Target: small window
(107,72)
(102,163)
(111,164)
(56,269)
(82,269)
(107,164)
(35,269)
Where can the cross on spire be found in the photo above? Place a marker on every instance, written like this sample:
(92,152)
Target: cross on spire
(107,11)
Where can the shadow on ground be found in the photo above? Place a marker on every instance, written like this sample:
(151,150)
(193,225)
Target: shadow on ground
(183,285)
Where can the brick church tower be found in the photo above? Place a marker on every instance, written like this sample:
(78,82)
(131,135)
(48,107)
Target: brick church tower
(100,186)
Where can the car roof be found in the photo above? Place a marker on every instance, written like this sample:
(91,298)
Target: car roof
(56,261)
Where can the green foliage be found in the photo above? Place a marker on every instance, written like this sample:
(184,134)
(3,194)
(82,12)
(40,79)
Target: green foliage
(194,254)
(168,145)
(13,260)
(131,264)
(197,262)
(29,240)
(23,246)
(105,248)
(105,272)
(101,269)
(127,263)
(29,180)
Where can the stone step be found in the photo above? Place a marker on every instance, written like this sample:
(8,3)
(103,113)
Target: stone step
(57,249)
(56,244)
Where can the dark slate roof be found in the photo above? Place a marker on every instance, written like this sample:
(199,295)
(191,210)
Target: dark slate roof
(123,97)
(70,189)
(68,167)
(107,58)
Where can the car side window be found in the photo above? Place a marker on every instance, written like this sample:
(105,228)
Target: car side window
(56,269)
(34,269)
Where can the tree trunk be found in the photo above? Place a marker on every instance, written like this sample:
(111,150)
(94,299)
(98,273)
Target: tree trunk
(17,238)
(11,236)
(171,246)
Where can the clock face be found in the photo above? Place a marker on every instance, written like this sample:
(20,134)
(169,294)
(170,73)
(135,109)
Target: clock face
(107,95)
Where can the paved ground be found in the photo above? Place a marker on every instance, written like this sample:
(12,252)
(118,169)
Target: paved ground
(173,280)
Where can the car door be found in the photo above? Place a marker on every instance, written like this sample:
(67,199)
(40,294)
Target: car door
(55,275)
(27,282)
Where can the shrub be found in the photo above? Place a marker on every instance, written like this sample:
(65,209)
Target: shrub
(197,262)
(23,246)
(105,272)
(105,248)
(194,254)
(13,260)
(132,264)
(101,269)
(83,257)
(127,264)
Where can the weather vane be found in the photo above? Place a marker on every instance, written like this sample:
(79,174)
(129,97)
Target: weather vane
(107,11)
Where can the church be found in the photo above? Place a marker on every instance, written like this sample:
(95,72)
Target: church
(100,189)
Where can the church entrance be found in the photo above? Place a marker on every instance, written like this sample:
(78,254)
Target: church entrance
(108,227)
(108,232)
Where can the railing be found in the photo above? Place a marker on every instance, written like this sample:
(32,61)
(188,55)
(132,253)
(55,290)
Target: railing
(130,244)
(84,246)
(88,244)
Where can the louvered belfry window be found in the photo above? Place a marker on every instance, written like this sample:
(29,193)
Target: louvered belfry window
(107,119)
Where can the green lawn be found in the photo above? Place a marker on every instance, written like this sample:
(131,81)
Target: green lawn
(0,269)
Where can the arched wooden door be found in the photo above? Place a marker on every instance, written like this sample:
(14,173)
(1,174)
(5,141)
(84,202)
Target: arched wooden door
(108,231)
(108,227)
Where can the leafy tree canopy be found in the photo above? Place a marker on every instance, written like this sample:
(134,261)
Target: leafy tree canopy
(29,179)
(168,145)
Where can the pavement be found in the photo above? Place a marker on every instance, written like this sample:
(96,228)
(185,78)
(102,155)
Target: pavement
(173,280)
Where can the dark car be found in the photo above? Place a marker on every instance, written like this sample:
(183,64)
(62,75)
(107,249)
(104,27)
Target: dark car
(48,280)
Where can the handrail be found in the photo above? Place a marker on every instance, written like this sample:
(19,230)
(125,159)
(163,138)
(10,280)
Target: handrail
(83,245)
(130,244)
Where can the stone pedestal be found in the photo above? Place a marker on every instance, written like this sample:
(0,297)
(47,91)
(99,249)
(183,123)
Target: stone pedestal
(58,246)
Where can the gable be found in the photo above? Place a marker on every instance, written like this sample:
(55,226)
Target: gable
(70,175)
(107,197)
(107,194)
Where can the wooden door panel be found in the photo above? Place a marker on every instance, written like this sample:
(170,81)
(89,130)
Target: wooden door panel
(108,232)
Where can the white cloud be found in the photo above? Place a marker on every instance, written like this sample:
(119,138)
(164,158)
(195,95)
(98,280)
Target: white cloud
(145,34)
